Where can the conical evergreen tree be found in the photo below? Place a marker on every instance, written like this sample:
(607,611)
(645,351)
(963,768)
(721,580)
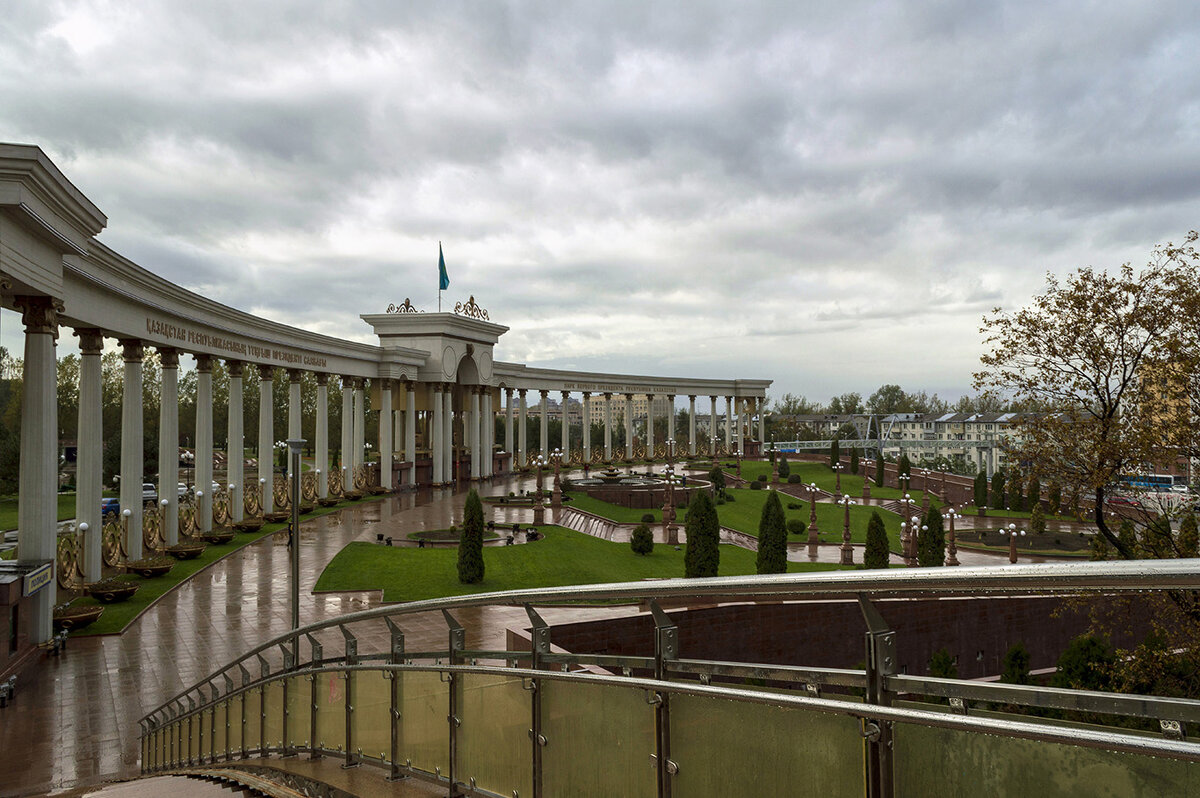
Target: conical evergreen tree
(877,553)
(642,540)
(880,472)
(854,460)
(1016,499)
(772,537)
(1033,492)
(470,545)
(835,452)
(785,470)
(931,546)
(1188,544)
(703,530)
(996,501)
(1054,498)
(981,489)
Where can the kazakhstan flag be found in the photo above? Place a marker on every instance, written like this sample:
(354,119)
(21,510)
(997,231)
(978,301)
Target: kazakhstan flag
(444,279)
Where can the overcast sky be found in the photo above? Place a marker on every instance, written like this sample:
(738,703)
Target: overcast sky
(826,195)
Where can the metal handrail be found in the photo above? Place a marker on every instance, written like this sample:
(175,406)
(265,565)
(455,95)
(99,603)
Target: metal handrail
(1039,579)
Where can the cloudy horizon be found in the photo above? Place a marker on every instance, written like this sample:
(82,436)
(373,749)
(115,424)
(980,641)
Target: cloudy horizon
(830,198)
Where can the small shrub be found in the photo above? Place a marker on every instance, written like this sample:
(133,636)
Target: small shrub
(720,501)
(647,518)
(756,485)
(796,527)
(785,470)
(762,477)
(729,498)
(795,506)
(642,540)
(794,479)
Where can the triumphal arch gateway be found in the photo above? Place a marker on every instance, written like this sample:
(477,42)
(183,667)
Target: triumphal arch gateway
(432,377)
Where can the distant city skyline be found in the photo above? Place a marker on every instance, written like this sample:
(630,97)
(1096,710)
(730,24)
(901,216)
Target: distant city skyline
(830,198)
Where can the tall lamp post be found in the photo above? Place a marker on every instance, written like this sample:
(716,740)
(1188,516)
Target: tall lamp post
(907,530)
(867,478)
(952,548)
(847,549)
(1012,533)
(556,495)
(813,534)
(539,507)
(294,445)
(670,532)
(714,450)
(837,477)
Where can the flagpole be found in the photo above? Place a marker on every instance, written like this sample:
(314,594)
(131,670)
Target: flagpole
(439,277)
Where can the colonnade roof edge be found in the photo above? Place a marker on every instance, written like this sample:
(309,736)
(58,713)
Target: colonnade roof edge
(48,248)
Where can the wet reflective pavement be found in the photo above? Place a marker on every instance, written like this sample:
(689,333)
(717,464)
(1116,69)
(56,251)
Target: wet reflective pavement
(74,721)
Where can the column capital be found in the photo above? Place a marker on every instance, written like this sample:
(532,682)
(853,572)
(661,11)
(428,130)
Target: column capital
(607,396)
(587,394)
(565,394)
(545,393)
(628,397)
(39,314)
(360,384)
(671,398)
(521,391)
(294,375)
(132,349)
(204,363)
(169,356)
(409,385)
(691,397)
(265,372)
(235,367)
(385,384)
(713,398)
(322,378)
(436,386)
(91,340)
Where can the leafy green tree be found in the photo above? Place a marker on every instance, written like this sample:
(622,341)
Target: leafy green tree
(835,452)
(1037,520)
(1015,666)
(703,555)
(1189,545)
(1127,536)
(642,540)
(997,500)
(942,665)
(717,477)
(772,537)
(785,470)
(931,545)
(470,545)
(1085,664)
(854,460)
(846,404)
(1033,491)
(981,489)
(877,553)
(1054,498)
(1099,548)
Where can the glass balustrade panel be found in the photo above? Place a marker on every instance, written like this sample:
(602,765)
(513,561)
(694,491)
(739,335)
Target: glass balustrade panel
(371,723)
(599,741)
(196,737)
(424,731)
(331,710)
(298,719)
(493,740)
(273,709)
(252,709)
(234,713)
(220,736)
(726,747)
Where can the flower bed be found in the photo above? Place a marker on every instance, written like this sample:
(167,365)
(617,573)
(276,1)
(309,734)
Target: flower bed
(150,567)
(76,617)
(112,590)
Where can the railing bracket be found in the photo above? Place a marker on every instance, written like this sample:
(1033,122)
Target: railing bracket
(959,705)
(1172,729)
(870,730)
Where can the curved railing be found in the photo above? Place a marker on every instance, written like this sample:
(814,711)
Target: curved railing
(535,721)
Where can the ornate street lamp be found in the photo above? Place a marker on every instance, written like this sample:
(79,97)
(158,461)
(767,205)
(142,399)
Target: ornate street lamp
(847,549)
(714,450)
(952,548)
(813,534)
(670,533)
(539,507)
(837,475)
(556,495)
(867,478)
(1012,533)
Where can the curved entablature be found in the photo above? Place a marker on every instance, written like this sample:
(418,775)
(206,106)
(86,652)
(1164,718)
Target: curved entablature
(517,375)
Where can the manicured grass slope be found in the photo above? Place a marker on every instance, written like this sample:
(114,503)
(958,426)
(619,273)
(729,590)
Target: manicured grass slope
(563,557)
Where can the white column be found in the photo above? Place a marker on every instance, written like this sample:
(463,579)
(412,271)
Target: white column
(437,430)
(649,426)
(587,428)
(762,422)
(608,427)
(692,425)
(321,432)
(473,433)
(397,426)
(295,414)
(235,447)
(522,438)
(131,447)
(266,435)
(204,442)
(347,433)
(37,504)
(671,420)
(168,443)
(628,426)
(410,431)
(360,424)
(386,479)
(448,434)
(566,428)
(509,443)
(89,462)
(740,410)
(713,430)
(488,430)
(544,438)
(728,424)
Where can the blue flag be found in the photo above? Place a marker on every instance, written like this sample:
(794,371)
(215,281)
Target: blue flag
(443,278)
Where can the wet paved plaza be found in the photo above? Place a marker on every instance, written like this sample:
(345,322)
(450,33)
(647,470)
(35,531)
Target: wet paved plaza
(75,718)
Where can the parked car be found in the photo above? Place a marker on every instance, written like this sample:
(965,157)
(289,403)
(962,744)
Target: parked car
(110,506)
(149,492)
(183,489)
(1123,500)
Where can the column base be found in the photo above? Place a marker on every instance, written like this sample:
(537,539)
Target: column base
(847,556)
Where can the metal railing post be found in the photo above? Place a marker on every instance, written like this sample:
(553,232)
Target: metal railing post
(881,663)
(191,754)
(666,647)
(348,678)
(458,641)
(289,664)
(228,722)
(396,658)
(539,646)
(315,662)
(263,744)
(245,681)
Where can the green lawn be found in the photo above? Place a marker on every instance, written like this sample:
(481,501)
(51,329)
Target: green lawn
(825,479)
(613,512)
(66,509)
(563,557)
(117,616)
